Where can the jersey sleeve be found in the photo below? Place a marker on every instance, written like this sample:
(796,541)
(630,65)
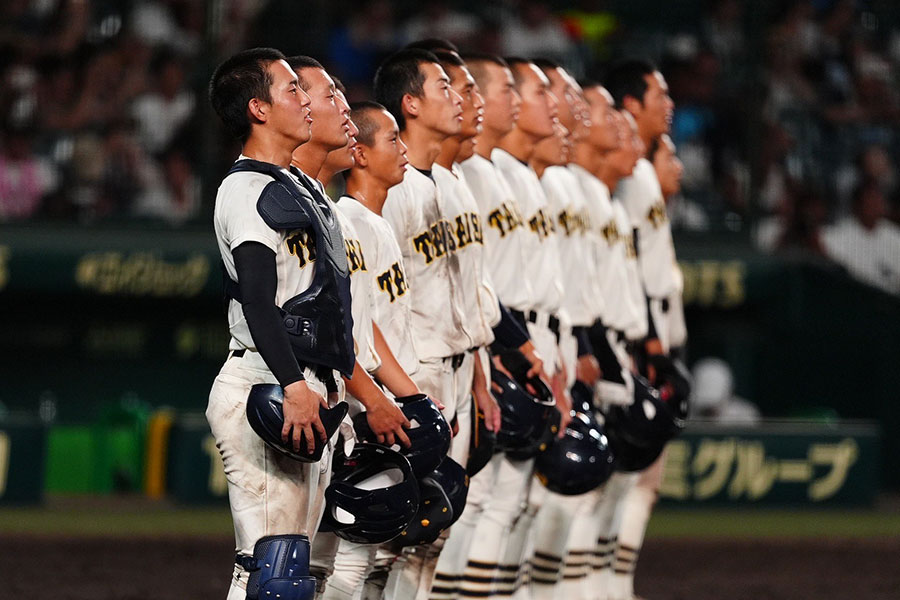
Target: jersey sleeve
(239,219)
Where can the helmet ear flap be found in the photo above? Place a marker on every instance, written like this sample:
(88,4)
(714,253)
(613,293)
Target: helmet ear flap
(526,423)
(265,414)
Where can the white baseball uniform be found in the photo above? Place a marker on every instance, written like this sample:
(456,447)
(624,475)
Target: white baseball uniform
(269,493)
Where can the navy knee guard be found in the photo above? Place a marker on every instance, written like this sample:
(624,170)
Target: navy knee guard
(279,568)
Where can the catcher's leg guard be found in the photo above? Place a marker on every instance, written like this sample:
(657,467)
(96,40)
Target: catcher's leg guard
(279,567)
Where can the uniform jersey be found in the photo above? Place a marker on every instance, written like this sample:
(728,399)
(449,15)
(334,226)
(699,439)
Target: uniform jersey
(642,198)
(389,283)
(637,327)
(460,210)
(237,221)
(609,248)
(541,252)
(504,232)
(577,265)
(412,209)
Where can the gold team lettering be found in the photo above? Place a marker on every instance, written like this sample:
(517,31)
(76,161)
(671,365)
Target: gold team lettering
(356,260)
(302,245)
(504,219)
(657,214)
(442,238)
(541,225)
(393,281)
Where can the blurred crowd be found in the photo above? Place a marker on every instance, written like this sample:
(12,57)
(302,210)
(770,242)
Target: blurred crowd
(786,119)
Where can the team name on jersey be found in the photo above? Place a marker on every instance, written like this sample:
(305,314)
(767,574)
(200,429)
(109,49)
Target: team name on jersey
(541,224)
(611,232)
(630,250)
(573,223)
(504,218)
(393,281)
(356,260)
(444,237)
(302,244)
(657,214)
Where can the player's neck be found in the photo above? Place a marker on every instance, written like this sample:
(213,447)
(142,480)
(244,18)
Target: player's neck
(585,156)
(519,144)
(608,176)
(539,166)
(310,158)
(423,146)
(486,141)
(646,137)
(268,148)
(449,150)
(367,190)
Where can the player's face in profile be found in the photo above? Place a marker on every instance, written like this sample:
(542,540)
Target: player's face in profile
(622,159)
(605,131)
(502,101)
(658,107)
(342,158)
(472,101)
(668,167)
(562,88)
(387,155)
(441,107)
(553,150)
(289,111)
(539,105)
(331,125)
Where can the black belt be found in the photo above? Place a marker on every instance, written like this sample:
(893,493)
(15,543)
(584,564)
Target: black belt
(325,374)
(552,322)
(456,360)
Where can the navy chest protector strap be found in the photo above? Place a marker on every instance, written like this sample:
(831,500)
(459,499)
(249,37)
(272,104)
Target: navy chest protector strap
(318,320)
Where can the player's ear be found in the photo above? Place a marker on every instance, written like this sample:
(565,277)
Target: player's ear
(360,157)
(632,105)
(258,109)
(410,105)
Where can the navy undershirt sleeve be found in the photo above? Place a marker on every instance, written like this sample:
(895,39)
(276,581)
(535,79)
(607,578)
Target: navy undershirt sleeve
(509,332)
(258,281)
(584,341)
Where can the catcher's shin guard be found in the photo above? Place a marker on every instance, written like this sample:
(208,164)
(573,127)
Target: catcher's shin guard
(279,567)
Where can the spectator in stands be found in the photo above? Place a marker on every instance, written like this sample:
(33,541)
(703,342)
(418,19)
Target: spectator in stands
(713,397)
(358,46)
(867,244)
(172,192)
(24,177)
(166,106)
(436,19)
(536,31)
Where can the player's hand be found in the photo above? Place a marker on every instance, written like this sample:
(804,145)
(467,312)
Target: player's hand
(563,401)
(488,406)
(301,413)
(387,422)
(587,370)
(653,347)
(537,363)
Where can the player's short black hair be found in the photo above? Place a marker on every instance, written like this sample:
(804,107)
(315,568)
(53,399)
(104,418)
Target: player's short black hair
(546,64)
(626,78)
(514,62)
(399,75)
(361,114)
(476,61)
(449,60)
(238,80)
(339,85)
(434,45)
(587,82)
(300,62)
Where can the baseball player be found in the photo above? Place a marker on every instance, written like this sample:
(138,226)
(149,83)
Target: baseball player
(260,101)
(412,85)
(641,90)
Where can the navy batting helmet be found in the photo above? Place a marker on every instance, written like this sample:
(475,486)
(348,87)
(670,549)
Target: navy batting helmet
(579,461)
(639,431)
(525,421)
(429,434)
(265,413)
(373,495)
(673,382)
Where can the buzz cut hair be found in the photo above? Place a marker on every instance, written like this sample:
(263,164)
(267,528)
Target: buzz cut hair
(434,45)
(238,80)
(300,62)
(398,75)
(627,78)
(546,64)
(448,59)
(514,62)
(477,62)
(361,113)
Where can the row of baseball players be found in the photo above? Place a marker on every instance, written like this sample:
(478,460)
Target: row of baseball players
(477,211)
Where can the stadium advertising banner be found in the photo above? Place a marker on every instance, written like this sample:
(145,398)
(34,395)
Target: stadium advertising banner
(778,464)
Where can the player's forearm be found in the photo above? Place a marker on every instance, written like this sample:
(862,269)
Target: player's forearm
(391,374)
(362,387)
(480,378)
(257,277)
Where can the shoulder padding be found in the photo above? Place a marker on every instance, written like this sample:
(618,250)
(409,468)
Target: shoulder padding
(281,209)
